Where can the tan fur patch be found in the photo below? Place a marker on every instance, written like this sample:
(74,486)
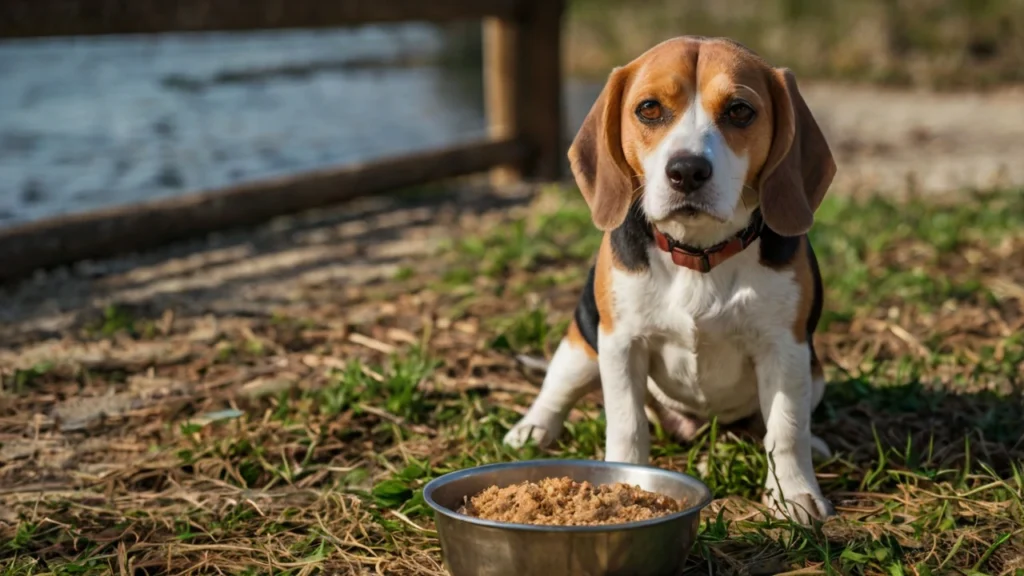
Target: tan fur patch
(805,280)
(603,284)
(576,340)
(745,79)
(596,158)
(665,74)
(817,372)
(800,166)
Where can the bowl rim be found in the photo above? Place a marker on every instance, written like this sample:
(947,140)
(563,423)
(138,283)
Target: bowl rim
(428,496)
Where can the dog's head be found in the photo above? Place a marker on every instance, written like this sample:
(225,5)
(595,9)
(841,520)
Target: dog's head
(705,131)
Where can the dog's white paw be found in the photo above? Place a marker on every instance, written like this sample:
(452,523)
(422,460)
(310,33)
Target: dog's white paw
(801,507)
(523,432)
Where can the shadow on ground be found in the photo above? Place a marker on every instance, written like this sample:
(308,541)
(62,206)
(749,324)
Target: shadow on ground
(255,270)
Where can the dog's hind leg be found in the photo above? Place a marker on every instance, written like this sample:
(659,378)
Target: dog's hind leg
(678,426)
(571,375)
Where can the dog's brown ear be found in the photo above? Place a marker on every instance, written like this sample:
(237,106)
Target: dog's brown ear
(597,159)
(800,167)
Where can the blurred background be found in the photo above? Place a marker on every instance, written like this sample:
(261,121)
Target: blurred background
(910,91)
(940,44)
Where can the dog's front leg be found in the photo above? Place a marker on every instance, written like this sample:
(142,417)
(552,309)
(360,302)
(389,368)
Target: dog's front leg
(785,392)
(623,364)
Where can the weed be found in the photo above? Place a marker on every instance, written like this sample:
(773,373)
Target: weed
(404,273)
(528,332)
(24,379)
(115,319)
(397,384)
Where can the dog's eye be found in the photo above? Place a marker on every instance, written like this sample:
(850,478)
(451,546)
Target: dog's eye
(649,111)
(740,114)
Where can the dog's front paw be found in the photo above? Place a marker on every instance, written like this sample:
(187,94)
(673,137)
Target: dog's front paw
(801,506)
(627,450)
(524,431)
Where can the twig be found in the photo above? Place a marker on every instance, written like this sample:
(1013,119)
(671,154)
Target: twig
(371,343)
(384,415)
(406,519)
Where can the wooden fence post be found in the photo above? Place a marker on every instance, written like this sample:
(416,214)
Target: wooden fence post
(523,86)
(499,37)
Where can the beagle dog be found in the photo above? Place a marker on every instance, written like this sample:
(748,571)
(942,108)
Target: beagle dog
(703,166)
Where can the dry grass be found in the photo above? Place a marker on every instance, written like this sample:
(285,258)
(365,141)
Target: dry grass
(148,441)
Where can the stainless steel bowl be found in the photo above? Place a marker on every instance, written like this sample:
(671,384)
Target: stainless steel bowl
(474,547)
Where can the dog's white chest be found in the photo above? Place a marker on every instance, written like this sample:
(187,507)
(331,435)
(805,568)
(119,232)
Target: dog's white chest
(707,373)
(701,329)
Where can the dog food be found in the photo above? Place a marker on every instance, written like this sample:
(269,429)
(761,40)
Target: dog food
(563,502)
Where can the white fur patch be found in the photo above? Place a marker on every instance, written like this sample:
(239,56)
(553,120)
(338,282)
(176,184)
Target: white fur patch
(696,132)
(701,329)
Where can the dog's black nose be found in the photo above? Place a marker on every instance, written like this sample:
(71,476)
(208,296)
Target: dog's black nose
(688,173)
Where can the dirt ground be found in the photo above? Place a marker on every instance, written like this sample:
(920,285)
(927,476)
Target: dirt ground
(196,410)
(897,142)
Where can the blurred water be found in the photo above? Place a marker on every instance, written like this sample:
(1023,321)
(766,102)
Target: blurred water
(90,123)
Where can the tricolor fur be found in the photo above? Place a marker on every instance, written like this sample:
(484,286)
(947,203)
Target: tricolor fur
(690,139)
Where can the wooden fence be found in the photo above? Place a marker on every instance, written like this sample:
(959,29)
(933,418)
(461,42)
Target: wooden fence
(522,86)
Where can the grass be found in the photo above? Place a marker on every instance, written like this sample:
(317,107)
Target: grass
(298,445)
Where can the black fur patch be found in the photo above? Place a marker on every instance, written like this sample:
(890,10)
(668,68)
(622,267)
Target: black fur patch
(776,250)
(819,294)
(631,239)
(587,316)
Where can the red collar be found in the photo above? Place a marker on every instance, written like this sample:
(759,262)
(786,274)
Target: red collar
(703,260)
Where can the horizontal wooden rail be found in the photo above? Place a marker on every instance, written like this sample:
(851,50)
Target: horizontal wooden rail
(523,86)
(31,18)
(68,239)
